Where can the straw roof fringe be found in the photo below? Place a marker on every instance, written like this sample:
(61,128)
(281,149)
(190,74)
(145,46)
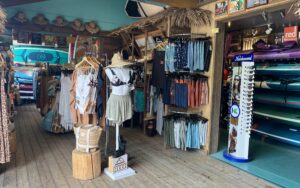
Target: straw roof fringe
(2,20)
(295,9)
(180,17)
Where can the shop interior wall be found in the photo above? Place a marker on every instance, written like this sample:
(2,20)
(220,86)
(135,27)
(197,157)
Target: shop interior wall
(212,110)
(215,74)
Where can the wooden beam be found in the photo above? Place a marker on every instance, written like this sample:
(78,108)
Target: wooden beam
(30,27)
(185,3)
(9,3)
(179,3)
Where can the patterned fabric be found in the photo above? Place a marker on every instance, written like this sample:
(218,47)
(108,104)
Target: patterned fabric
(4,139)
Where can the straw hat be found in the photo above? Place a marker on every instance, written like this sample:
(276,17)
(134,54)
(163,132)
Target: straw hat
(77,25)
(118,61)
(20,17)
(60,21)
(92,27)
(40,19)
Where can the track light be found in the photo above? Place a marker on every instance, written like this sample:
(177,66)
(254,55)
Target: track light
(269,30)
(265,16)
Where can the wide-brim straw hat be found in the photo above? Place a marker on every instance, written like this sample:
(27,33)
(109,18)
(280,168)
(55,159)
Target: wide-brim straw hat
(60,21)
(92,27)
(40,19)
(118,61)
(77,25)
(20,17)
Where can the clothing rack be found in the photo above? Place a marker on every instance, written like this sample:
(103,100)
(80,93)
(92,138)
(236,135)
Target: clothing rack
(187,73)
(186,115)
(198,35)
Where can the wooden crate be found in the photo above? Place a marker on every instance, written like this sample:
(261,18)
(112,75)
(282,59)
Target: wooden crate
(86,166)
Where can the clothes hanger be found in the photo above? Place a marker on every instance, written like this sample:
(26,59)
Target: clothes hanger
(84,62)
(90,59)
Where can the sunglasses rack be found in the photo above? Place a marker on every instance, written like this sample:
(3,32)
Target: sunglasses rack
(241,101)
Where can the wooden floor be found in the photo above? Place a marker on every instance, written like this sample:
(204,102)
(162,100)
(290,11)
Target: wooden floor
(44,160)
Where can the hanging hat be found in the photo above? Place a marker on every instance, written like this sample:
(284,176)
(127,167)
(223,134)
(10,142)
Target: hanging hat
(92,27)
(40,19)
(20,17)
(118,61)
(60,21)
(77,25)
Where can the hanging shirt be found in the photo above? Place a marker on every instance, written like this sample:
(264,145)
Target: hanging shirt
(64,106)
(86,91)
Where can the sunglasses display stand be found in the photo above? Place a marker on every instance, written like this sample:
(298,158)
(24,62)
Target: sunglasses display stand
(241,100)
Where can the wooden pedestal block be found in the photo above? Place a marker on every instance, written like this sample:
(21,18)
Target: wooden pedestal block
(13,142)
(86,166)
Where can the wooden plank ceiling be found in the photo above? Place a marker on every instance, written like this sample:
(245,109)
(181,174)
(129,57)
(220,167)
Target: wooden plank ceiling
(184,3)
(8,3)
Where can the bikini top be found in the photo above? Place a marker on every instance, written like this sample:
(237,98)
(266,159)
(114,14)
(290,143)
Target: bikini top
(119,82)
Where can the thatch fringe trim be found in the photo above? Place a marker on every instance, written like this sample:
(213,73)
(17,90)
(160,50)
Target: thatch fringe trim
(2,20)
(180,17)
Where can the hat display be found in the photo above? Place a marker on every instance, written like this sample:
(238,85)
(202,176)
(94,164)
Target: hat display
(118,61)
(60,21)
(92,27)
(40,19)
(77,25)
(20,17)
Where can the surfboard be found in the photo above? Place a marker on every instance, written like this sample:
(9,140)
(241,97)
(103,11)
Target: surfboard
(291,101)
(277,85)
(282,132)
(286,116)
(31,55)
(278,69)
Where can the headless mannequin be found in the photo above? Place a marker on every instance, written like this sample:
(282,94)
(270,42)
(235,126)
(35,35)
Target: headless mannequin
(120,78)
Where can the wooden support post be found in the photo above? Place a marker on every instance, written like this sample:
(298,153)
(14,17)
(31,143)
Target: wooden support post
(145,81)
(217,78)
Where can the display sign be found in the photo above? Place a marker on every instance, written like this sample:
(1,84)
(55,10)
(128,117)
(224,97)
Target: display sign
(291,33)
(221,8)
(236,6)
(255,3)
(117,164)
(244,58)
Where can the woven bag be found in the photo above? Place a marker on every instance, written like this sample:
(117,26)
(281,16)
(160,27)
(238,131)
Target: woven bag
(87,137)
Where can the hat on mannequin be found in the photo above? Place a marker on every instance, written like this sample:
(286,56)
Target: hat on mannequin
(118,61)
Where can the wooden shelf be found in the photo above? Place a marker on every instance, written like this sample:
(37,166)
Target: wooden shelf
(272,6)
(149,118)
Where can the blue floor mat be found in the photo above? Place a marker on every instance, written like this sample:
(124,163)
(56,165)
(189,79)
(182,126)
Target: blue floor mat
(273,161)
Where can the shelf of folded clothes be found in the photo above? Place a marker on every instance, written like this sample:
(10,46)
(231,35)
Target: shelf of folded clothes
(263,51)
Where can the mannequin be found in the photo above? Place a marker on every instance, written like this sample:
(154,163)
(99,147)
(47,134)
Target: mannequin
(119,105)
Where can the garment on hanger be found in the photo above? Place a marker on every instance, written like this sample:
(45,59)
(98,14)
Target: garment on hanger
(186,91)
(183,54)
(158,73)
(83,95)
(99,101)
(185,132)
(64,104)
(4,123)
(86,91)
(159,115)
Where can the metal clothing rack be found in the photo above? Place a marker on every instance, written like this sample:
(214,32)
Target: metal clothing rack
(191,35)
